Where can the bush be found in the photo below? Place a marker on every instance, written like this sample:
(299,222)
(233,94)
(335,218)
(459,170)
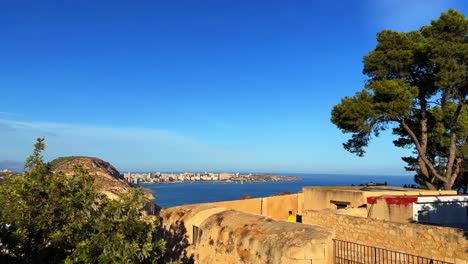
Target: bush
(54,218)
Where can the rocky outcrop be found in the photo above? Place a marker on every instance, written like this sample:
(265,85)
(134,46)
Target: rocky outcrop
(213,234)
(107,179)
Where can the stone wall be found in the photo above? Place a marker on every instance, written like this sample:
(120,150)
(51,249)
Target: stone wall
(236,237)
(276,207)
(210,234)
(441,243)
(253,206)
(398,212)
(178,226)
(442,210)
(319,198)
(324,197)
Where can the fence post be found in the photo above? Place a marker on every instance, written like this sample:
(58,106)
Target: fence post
(334,251)
(375,255)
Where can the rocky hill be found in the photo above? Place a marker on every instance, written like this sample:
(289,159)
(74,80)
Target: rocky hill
(107,179)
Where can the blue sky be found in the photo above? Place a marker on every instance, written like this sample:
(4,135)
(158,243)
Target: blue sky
(194,85)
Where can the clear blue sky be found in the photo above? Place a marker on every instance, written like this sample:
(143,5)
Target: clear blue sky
(194,85)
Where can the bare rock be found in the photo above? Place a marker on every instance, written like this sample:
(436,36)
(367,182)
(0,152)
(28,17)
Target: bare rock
(107,179)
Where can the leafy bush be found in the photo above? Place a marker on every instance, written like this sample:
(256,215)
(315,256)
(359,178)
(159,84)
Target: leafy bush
(54,218)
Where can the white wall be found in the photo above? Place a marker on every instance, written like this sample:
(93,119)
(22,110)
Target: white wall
(442,210)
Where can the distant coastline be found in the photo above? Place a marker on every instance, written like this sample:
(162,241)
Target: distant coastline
(188,177)
(178,193)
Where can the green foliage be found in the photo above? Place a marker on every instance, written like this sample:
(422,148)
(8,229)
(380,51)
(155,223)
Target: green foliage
(418,81)
(54,218)
(58,161)
(119,235)
(36,159)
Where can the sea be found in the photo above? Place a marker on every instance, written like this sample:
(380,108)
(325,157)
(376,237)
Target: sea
(180,193)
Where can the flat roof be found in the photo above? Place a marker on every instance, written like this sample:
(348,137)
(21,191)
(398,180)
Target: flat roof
(380,188)
(407,199)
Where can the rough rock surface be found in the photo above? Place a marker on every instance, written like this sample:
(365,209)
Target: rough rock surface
(107,179)
(217,235)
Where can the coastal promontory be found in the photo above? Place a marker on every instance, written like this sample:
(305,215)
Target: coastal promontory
(107,180)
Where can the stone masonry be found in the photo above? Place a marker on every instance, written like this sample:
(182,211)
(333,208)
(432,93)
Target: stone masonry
(441,243)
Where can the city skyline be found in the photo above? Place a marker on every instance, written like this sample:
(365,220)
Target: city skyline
(195,85)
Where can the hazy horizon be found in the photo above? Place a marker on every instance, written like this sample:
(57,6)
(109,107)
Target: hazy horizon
(176,171)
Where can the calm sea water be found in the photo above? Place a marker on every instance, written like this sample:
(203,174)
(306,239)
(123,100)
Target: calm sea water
(173,194)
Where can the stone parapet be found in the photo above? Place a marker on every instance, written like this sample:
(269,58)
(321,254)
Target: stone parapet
(216,235)
(276,207)
(442,243)
(326,197)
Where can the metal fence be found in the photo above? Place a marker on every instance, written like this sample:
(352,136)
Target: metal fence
(195,235)
(346,252)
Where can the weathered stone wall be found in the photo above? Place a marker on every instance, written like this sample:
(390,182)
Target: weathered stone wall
(253,206)
(442,243)
(443,210)
(237,237)
(226,236)
(358,212)
(399,213)
(276,207)
(178,228)
(319,198)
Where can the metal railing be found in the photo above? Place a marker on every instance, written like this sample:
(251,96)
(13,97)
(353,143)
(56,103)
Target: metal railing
(345,252)
(195,235)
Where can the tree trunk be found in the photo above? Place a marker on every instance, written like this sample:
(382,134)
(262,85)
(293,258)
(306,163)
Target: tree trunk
(430,186)
(423,142)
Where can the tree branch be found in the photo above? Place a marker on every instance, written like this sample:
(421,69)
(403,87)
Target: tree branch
(452,145)
(420,151)
(436,103)
(454,176)
(452,153)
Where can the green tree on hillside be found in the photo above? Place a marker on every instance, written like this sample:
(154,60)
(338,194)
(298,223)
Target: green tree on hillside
(54,218)
(418,82)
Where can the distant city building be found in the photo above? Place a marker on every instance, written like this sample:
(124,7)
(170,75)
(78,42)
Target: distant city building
(224,176)
(154,177)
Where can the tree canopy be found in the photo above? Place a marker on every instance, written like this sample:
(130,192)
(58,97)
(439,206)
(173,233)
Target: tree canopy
(417,85)
(54,218)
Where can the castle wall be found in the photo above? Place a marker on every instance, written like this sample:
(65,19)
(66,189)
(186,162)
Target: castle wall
(226,236)
(442,210)
(400,213)
(276,207)
(319,198)
(442,243)
(323,197)
(253,206)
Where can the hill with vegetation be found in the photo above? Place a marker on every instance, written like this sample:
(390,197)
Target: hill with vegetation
(107,180)
(66,212)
